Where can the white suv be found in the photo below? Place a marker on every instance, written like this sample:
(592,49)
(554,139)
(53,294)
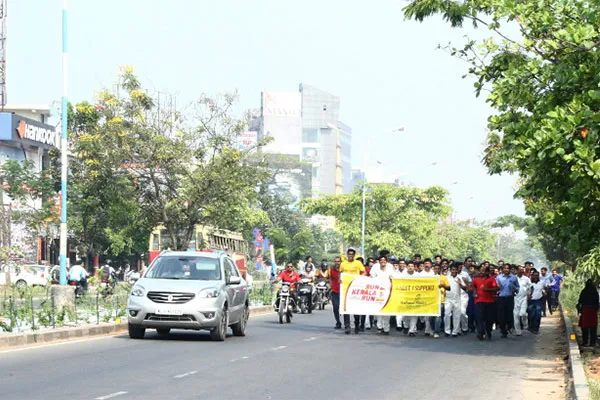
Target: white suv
(189,290)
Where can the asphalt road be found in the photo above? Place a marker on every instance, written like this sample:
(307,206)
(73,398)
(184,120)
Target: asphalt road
(307,359)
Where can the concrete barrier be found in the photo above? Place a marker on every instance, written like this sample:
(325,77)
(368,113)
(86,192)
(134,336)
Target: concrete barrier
(581,390)
(64,334)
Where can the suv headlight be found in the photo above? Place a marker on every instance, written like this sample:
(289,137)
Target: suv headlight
(138,291)
(208,293)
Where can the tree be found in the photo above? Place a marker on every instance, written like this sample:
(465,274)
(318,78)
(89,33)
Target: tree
(544,87)
(399,218)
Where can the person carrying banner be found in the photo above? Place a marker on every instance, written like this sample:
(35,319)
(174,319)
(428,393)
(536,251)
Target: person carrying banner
(354,267)
(385,271)
(409,322)
(444,286)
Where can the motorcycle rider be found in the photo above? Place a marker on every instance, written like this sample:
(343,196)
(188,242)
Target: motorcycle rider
(292,277)
(310,274)
(323,271)
(108,274)
(78,274)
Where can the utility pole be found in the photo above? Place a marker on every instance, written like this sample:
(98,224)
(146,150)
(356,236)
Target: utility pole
(64,145)
(3,11)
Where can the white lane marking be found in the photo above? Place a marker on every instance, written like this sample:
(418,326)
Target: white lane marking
(186,374)
(310,339)
(279,348)
(245,358)
(59,343)
(110,396)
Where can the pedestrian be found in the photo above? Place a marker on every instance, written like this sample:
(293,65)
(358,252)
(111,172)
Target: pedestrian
(549,282)
(353,267)
(384,272)
(452,306)
(509,286)
(409,323)
(520,309)
(587,307)
(444,286)
(558,284)
(463,273)
(334,284)
(485,288)
(536,302)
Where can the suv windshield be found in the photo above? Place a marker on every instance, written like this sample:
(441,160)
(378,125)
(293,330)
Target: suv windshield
(188,268)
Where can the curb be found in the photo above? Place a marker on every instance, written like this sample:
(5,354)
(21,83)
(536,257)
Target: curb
(580,390)
(65,334)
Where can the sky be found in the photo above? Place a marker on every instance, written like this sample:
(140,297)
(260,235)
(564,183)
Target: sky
(387,71)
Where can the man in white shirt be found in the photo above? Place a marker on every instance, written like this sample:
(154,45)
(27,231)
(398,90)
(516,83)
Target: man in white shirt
(385,271)
(463,274)
(536,302)
(409,323)
(548,279)
(520,310)
(452,307)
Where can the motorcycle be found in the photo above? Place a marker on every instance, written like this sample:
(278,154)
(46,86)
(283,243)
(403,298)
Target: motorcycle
(79,290)
(285,303)
(306,296)
(107,286)
(322,294)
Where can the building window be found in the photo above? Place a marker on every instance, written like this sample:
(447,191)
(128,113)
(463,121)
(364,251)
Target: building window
(310,136)
(310,154)
(315,172)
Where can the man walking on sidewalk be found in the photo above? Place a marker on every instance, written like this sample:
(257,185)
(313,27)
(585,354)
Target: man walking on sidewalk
(555,293)
(536,302)
(520,309)
(509,286)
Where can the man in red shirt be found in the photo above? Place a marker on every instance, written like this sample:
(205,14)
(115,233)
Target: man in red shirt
(334,283)
(484,290)
(290,276)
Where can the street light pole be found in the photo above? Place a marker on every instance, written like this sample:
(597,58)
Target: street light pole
(64,149)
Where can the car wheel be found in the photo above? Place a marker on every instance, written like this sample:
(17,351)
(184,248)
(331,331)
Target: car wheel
(136,332)
(219,333)
(163,331)
(239,329)
(21,284)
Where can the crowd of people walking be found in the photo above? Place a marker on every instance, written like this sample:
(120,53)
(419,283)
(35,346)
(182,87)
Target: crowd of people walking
(475,298)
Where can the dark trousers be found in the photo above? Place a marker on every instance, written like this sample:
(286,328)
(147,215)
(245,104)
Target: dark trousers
(554,294)
(471,313)
(549,302)
(484,312)
(534,312)
(505,305)
(335,302)
(589,336)
(347,321)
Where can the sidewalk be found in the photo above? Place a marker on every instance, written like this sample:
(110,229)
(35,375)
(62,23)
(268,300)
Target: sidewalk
(546,372)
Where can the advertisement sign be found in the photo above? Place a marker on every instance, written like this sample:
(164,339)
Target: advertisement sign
(258,248)
(16,128)
(282,104)
(247,139)
(363,295)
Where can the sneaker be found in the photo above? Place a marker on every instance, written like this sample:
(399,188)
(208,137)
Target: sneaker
(347,331)
(338,326)
(447,334)
(411,334)
(386,333)
(356,330)
(361,328)
(455,335)
(519,334)
(436,336)
(368,328)
(480,337)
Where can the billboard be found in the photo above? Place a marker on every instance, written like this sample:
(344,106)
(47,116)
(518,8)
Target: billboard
(282,104)
(247,139)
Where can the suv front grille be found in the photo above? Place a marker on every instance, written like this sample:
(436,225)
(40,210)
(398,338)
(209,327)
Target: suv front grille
(177,318)
(170,297)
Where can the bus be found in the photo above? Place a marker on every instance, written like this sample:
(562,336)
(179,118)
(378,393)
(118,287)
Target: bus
(206,238)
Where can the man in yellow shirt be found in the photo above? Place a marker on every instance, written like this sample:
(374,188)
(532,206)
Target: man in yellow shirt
(353,267)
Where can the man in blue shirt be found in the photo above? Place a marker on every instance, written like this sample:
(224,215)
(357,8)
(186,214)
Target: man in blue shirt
(558,283)
(78,274)
(509,286)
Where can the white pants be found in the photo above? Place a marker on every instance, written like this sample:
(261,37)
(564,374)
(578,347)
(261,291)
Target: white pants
(428,325)
(464,320)
(411,323)
(383,322)
(452,312)
(520,313)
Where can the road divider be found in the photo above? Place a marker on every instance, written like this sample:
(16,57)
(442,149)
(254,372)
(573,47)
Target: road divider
(13,341)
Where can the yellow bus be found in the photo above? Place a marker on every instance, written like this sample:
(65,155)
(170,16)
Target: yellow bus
(206,238)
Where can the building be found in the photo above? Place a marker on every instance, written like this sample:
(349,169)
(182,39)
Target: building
(304,126)
(26,135)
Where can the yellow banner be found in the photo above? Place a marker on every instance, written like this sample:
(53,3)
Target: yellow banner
(399,296)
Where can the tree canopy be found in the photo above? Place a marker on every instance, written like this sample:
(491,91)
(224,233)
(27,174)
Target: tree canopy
(539,68)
